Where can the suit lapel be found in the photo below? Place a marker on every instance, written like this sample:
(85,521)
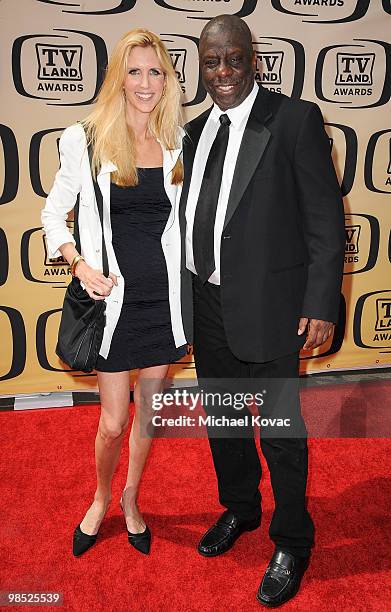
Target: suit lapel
(254,142)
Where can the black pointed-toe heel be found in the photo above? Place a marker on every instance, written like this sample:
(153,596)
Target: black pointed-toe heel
(82,541)
(140,541)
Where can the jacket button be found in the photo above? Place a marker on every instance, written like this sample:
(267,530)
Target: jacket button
(226,237)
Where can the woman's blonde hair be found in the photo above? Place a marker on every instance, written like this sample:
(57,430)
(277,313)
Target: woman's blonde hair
(107,130)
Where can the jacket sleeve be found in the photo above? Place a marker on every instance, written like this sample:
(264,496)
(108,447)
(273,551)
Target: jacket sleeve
(322,216)
(67,184)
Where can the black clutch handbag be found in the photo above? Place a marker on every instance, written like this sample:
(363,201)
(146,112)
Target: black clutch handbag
(83,319)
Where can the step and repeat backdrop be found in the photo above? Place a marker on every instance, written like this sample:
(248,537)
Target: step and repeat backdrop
(334,52)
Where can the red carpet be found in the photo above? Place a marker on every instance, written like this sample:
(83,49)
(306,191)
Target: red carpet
(47,482)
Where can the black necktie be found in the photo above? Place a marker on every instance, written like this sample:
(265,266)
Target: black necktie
(205,214)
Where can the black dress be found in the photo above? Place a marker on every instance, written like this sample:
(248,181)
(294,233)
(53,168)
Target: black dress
(143,335)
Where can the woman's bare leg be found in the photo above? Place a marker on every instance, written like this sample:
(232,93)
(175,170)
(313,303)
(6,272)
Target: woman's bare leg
(114,389)
(149,381)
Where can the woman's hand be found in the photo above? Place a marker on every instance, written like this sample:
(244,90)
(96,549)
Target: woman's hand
(97,285)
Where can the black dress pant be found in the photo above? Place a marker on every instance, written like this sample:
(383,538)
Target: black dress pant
(235,456)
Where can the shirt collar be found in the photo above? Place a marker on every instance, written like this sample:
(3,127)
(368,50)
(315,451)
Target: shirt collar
(239,114)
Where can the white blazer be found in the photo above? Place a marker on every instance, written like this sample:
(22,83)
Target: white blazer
(73,177)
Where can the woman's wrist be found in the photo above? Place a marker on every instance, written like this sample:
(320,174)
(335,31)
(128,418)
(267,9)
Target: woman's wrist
(74,263)
(81,267)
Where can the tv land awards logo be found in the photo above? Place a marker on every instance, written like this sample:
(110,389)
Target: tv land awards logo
(10,165)
(93,7)
(377,168)
(184,56)
(355,69)
(280,65)
(62,69)
(59,63)
(207,9)
(344,146)
(35,262)
(178,58)
(362,243)
(383,316)
(323,11)
(352,249)
(268,69)
(354,75)
(372,320)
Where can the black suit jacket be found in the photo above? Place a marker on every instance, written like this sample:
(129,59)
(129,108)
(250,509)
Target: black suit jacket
(283,242)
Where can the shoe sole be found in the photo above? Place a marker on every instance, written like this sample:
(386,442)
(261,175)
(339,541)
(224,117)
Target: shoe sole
(277,605)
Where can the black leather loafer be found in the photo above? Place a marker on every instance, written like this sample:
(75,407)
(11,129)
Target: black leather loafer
(282,578)
(223,535)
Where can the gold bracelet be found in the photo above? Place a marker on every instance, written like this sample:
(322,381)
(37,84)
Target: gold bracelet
(74,263)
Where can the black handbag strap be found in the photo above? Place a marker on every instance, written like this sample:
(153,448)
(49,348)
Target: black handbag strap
(76,223)
(99,202)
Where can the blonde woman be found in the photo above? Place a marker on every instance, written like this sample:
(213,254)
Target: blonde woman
(136,139)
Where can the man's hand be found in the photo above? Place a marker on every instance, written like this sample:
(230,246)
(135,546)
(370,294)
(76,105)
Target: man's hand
(318,332)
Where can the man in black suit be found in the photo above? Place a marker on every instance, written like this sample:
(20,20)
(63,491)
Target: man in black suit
(261,216)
